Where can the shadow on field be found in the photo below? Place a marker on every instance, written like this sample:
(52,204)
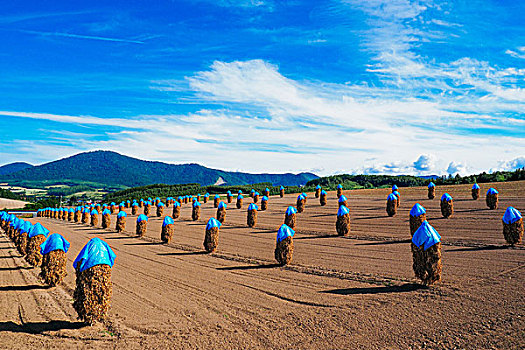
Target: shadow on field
(322,215)
(185,253)
(22,288)
(386,242)
(371,217)
(315,237)
(145,243)
(470,210)
(39,327)
(474,249)
(408,287)
(15,268)
(248,267)
(123,237)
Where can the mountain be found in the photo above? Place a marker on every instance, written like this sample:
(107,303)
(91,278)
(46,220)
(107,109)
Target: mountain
(113,169)
(13,168)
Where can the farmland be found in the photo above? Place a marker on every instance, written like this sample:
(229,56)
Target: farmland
(338,292)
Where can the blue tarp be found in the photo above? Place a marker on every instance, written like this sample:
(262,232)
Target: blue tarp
(38,229)
(264,199)
(511,215)
(135,204)
(26,227)
(397,193)
(106,212)
(426,235)
(86,211)
(142,217)
(291,210)
(196,204)
(343,211)
(300,197)
(323,192)
(168,220)
(475,187)
(229,193)
(394,188)
(176,204)
(253,206)
(213,223)
(430,185)
(94,212)
(391,197)
(283,232)
(318,187)
(55,241)
(341,199)
(217,196)
(160,204)
(492,191)
(239,196)
(281,188)
(339,186)
(417,210)
(95,252)
(71,210)
(222,205)
(121,213)
(267,189)
(446,197)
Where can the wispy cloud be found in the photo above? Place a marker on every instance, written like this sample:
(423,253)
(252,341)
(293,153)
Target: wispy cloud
(79,36)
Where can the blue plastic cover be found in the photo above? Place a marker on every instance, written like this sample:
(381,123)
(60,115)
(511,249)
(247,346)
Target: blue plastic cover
(318,187)
(300,197)
(511,215)
(196,204)
(281,188)
(121,214)
(252,191)
(176,204)
(94,212)
(394,188)
(291,210)
(339,186)
(323,192)
(397,193)
(135,204)
(128,201)
(222,205)
(431,184)
(343,211)
(106,212)
(253,206)
(342,198)
(142,217)
(446,197)
(217,196)
(213,223)
(38,229)
(304,195)
(391,197)
(417,210)
(113,203)
(229,193)
(86,211)
(283,232)
(71,210)
(168,220)
(207,194)
(426,235)
(160,204)
(95,252)
(55,241)
(240,192)
(239,196)
(475,186)
(26,227)
(492,191)
(267,189)
(264,199)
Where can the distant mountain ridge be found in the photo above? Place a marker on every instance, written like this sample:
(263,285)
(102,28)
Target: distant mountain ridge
(13,168)
(114,169)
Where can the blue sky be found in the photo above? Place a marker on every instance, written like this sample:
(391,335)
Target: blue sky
(393,86)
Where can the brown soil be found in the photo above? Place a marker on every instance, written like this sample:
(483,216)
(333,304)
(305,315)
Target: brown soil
(338,292)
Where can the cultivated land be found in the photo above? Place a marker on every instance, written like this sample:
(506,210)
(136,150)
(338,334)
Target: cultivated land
(11,203)
(355,292)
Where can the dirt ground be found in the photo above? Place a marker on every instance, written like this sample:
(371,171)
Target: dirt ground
(355,292)
(11,203)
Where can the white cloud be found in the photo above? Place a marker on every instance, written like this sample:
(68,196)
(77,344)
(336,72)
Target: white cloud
(457,168)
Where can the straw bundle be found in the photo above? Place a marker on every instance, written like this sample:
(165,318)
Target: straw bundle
(33,257)
(121,224)
(251,218)
(134,209)
(391,204)
(266,192)
(256,197)
(216,201)
(160,210)
(447,205)
(141,203)
(290,217)
(284,245)
(94,219)
(229,197)
(157,202)
(85,217)
(281,192)
(342,201)
(475,191)
(398,196)
(322,198)
(300,203)
(128,204)
(211,238)
(342,225)
(70,215)
(238,204)
(78,215)
(317,191)
(196,212)
(21,243)
(147,209)
(426,254)
(221,214)
(112,208)
(141,228)
(55,214)
(206,197)
(339,191)
(167,233)
(53,268)
(431,191)
(176,211)
(93,293)
(512,226)
(492,198)
(106,220)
